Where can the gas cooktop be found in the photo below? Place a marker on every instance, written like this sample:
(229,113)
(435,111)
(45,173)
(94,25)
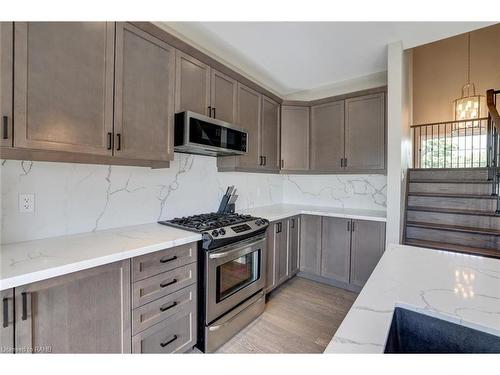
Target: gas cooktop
(219,229)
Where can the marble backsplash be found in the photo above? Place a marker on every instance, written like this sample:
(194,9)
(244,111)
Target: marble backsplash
(75,198)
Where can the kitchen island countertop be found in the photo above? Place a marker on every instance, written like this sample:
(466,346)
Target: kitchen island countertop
(463,289)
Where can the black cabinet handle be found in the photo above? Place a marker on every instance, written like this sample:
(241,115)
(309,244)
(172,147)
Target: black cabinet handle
(5,122)
(260,160)
(293,223)
(163,344)
(209,111)
(345,162)
(341,162)
(119,141)
(25,306)
(163,260)
(265,160)
(349,225)
(282,163)
(163,285)
(352,227)
(165,308)
(110,141)
(5,312)
(213,112)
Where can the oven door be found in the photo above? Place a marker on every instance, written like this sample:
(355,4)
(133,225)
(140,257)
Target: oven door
(234,273)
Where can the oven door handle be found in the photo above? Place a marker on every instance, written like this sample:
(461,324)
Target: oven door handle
(217,327)
(228,253)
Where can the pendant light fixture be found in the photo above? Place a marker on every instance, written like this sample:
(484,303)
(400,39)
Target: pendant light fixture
(469,106)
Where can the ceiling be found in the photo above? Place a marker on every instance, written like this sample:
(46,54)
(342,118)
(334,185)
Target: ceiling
(292,57)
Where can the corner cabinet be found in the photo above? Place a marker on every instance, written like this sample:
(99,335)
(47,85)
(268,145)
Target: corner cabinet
(6,61)
(144,95)
(74,313)
(294,138)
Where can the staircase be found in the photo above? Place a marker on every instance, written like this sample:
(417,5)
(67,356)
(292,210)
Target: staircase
(453,209)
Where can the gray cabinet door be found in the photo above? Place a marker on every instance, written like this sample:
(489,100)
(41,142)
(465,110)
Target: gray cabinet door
(294,138)
(144,95)
(269,139)
(7,327)
(368,245)
(63,86)
(282,250)
(224,93)
(327,137)
(6,60)
(293,244)
(271,280)
(310,244)
(365,133)
(336,248)
(249,118)
(83,312)
(192,85)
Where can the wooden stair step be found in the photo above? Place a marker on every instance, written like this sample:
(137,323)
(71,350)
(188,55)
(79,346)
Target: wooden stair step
(453,195)
(453,211)
(426,181)
(453,247)
(454,228)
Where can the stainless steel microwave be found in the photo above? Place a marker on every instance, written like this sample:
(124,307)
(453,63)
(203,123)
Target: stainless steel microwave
(203,135)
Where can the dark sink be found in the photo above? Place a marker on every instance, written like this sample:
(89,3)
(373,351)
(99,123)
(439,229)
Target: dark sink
(413,332)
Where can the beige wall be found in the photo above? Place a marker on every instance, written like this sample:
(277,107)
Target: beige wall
(440,71)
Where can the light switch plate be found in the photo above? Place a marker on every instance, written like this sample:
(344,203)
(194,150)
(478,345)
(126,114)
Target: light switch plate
(26,203)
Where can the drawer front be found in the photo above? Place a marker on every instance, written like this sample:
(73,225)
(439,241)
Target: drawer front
(164,260)
(150,289)
(176,334)
(154,312)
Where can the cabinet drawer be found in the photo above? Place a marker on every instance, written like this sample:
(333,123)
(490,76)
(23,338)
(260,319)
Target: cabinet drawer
(164,260)
(176,334)
(152,288)
(151,313)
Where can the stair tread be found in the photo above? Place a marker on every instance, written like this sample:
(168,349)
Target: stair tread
(452,195)
(453,211)
(449,181)
(449,169)
(453,247)
(454,228)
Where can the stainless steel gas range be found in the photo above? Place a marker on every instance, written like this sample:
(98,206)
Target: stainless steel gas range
(232,273)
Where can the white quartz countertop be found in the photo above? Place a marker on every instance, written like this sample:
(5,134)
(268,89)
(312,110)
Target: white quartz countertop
(463,289)
(282,211)
(30,261)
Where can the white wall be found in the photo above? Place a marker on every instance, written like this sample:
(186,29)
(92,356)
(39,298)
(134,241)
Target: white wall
(399,87)
(75,198)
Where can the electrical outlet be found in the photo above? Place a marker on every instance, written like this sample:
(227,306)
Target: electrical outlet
(26,203)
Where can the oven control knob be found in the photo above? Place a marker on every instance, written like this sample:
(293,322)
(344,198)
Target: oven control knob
(215,233)
(222,231)
(257,222)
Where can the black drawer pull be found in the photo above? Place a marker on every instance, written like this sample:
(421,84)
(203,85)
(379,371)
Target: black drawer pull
(209,111)
(110,141)
(163,260)
(25,306)
(119,140)
(5,122)
(165,308)
(163,285)
(213,112)
(293,223)
(5,313)
(163,344)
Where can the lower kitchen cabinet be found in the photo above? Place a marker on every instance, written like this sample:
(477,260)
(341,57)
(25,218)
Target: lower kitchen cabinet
(367,246)
(293,245)
(310,244)
(335,245)
(341,251)
(83,312)
(7,327)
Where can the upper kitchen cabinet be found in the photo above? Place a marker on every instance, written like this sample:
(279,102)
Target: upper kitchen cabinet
(144,95)
(269,139)
(365,133)
(223,97)
(327,137)
(192,85)
(249,118)
(294,138)
(6,60)
(63,86)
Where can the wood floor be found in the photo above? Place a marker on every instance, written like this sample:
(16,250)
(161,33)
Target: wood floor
(300,317)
